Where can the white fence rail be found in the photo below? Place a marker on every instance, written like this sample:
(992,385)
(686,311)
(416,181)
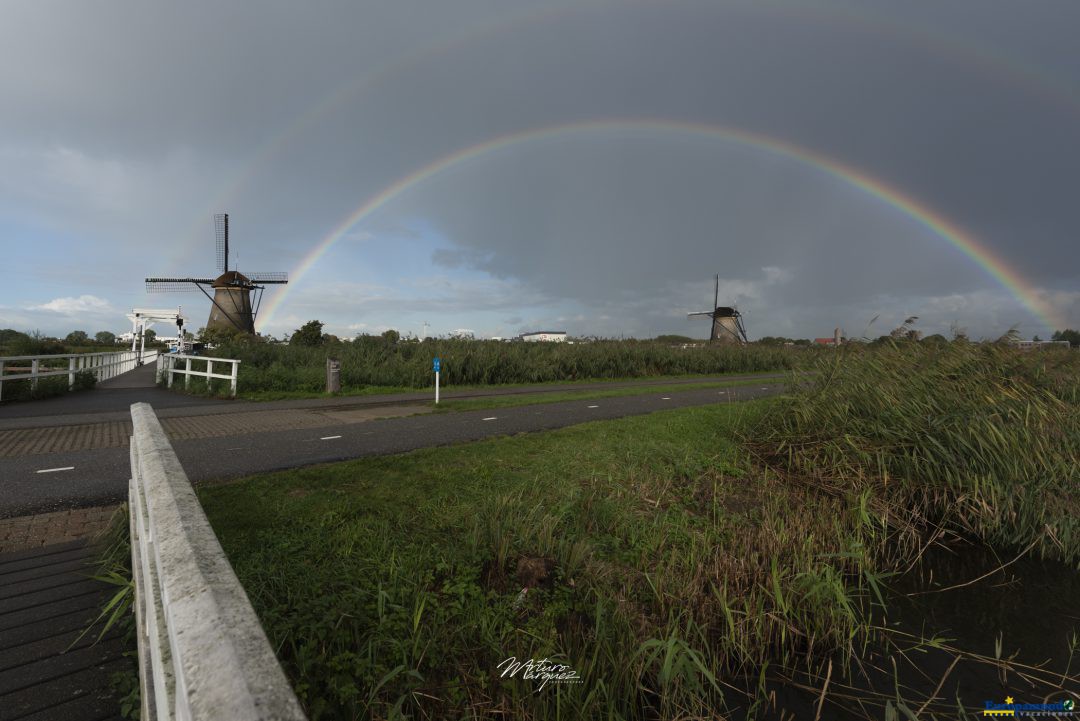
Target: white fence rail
(102,365)
(168,362)
(202,653)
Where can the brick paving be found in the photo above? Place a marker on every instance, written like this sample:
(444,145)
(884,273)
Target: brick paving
(46,529)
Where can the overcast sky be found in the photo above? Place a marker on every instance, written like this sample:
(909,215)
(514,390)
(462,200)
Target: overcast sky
(125,126)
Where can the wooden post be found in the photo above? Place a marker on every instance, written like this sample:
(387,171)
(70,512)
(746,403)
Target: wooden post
(333,375)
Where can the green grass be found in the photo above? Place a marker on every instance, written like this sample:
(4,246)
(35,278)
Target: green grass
(385,390)
(375,362)
(983,440)
(25,390)
(390,585)
(672,560)
(469,404)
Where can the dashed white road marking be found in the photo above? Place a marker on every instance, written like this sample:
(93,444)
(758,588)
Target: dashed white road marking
(665,398)
(493,418)
(329,438)
(594,406)
(722,392)
(54,470)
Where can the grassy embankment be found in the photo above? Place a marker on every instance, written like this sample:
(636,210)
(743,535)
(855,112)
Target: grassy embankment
(672,559)
(507,401)
(372,365)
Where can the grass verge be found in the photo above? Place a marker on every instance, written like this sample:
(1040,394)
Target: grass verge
(198,386)
(642,552)
(669,560)
(471,404)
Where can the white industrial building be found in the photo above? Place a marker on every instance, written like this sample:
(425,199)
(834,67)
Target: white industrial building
(548,336)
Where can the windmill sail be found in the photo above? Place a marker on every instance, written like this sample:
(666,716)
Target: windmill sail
(231,306)
(221,233)
(727,325)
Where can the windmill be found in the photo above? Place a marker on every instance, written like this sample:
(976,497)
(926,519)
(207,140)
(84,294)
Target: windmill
(727,325)
(231,307)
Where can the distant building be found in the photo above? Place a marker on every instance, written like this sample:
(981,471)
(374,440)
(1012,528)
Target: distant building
(549,336)
(838,338)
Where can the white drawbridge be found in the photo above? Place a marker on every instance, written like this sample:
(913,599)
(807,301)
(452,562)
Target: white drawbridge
(142,318)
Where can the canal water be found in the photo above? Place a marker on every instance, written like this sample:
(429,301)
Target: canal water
(1026,614)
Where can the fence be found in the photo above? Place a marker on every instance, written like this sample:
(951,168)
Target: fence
(102,365)
(167,367)
(202,653)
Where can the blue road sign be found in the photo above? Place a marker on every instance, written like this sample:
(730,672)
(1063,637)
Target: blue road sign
(437,364)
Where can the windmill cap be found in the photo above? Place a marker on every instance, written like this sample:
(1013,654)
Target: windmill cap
(231,278)
(723,310)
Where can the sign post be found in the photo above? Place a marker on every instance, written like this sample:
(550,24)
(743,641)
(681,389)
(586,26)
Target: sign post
(437,365)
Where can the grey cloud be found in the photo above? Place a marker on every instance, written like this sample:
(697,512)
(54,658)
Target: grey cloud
(126,126)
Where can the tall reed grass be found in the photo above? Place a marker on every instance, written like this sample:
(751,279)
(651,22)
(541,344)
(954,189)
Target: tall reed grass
(981,439)
(371,361)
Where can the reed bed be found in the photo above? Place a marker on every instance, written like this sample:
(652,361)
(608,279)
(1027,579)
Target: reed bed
(374,362)
(974,439)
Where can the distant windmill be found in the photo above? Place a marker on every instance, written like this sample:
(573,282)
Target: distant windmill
(727,325)
(231,303)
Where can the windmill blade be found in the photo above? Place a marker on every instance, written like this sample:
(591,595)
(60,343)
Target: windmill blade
(268,277)
(221,233)
(716,295)
(174,285)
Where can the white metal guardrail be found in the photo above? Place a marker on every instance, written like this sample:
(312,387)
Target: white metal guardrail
(167,366)
(202,653)
(102,365)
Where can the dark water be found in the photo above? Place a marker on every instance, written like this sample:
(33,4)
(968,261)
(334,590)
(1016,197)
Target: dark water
(1031,608)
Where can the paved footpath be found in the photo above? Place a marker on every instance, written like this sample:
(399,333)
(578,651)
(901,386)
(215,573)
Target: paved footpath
(49,669)
(71,452)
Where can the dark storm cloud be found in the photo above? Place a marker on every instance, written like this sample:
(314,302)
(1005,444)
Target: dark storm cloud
(127,124)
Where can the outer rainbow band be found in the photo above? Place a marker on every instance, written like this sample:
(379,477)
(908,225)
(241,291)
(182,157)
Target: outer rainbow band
(990,262)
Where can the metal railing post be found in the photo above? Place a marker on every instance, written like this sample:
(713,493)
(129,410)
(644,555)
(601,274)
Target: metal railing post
(33,375)
(71,373)
(235,369)
(187,372)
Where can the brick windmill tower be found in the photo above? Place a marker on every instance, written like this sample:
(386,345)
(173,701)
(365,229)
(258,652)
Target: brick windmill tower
(230,305)
(727,325)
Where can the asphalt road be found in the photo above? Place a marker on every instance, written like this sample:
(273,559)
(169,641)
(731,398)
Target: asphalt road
(47,482)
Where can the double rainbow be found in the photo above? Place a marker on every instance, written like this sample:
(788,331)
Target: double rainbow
(940,226)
